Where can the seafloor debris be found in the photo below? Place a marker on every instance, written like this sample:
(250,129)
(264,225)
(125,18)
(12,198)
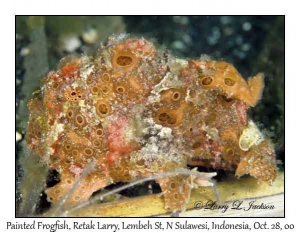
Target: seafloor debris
(138,111)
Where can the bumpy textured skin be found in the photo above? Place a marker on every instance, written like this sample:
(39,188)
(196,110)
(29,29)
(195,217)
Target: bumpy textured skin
(139,111)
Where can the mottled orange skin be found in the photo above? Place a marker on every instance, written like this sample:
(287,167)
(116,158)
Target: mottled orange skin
(136,115)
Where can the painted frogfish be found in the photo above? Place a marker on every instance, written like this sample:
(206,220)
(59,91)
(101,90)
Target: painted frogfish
(137,111)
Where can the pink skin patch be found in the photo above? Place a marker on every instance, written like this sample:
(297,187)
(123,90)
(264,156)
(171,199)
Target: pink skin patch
(76,170)
(217,163)
(116,130)
(33,144)
(188,78)
(241,109)
(140,45)
(116,141)
(215,149)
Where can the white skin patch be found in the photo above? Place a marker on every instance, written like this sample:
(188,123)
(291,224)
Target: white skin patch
(251,136)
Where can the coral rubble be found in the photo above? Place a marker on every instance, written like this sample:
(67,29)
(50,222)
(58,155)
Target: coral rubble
(138,111)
